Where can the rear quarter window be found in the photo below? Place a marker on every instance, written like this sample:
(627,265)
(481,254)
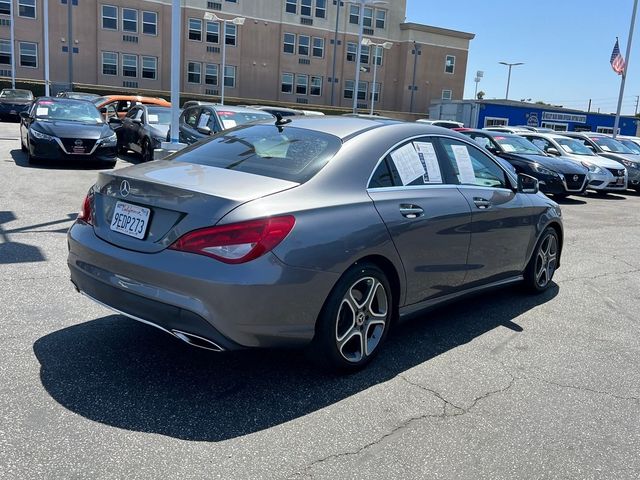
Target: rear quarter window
(292,154)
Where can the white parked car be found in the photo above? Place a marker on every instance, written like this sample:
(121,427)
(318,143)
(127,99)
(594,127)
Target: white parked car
(604,174)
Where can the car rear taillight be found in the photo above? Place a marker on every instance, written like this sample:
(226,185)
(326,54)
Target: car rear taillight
(237,242)
(84,215)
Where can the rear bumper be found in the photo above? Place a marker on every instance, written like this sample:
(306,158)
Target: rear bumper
(263,303)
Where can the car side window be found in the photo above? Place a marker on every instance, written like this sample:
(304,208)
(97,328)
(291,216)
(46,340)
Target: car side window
(471,165)
(131,113)
(413,163)
(191,117)
(203,120)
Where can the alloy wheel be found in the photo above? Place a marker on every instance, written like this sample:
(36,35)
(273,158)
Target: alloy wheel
(546,260)
(362,318)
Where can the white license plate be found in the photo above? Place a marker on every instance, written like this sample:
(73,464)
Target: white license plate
(130,220)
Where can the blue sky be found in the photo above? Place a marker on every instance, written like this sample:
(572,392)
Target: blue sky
(565,44)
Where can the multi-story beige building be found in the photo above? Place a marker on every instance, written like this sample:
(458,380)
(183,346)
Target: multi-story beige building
(286,51)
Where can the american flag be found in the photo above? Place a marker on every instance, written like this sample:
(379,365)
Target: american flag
(617,61)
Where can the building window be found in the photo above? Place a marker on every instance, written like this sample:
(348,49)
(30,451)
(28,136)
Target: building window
(495,122)
(377,55)
(367,17)
(348,89)
(318,47)
(129,65)
(321,8)
(362,91)
(354,14)
(150,23)
(305,8)
(109,17)
(149,67)
(375,91)
(213,32)
(446,94)
(195,30)
(352,51)
(28,54)
(303,45)
(129,20)
(287,83)
(193,72)
(364,54)
(291,6)
(289,43)
(27,8)
(229,76)
(450,64)
(564,127)
(381,17)
(5,52)
(109,63)
(211,74)
(302,84)
(5,7)
(315,86)
(231,34)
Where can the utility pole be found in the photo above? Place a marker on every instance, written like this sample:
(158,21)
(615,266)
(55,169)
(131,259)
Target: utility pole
(637,102)
(626,68)
(70,42)
(335,51)
(13,46)
(510,65)
(47,90)
(176,69)
(589,107)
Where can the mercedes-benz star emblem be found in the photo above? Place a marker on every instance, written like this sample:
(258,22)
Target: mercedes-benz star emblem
(125,188)
(575,178)
(78,142)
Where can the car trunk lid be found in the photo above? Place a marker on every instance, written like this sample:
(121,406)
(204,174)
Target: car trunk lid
(180,197)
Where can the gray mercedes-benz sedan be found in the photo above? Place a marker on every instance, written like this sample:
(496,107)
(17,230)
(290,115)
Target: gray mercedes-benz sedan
(321,232)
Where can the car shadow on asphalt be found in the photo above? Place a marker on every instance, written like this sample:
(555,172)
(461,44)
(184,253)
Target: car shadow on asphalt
(20,159)
(128,375)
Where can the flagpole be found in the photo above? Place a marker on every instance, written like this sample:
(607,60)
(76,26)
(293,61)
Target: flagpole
(626,66)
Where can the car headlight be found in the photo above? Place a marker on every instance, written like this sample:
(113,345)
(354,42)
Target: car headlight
(593,168)
(109,140)
(543,170)
(40,135)
(629,163)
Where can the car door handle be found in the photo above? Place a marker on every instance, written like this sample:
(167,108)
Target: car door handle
(482,203)
(411,211)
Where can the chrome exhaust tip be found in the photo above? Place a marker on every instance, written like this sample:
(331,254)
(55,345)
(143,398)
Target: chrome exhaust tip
(196,341)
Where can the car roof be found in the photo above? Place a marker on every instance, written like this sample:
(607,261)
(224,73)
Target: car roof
(137,98)
(492,133)
(231,108)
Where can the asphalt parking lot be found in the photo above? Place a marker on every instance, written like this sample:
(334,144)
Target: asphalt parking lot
(504,385)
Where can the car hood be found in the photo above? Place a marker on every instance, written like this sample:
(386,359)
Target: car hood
(557,164)
(603,162)
(621,156)
(66,129)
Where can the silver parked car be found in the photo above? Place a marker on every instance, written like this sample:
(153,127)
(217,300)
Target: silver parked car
(313,231)
(604,174)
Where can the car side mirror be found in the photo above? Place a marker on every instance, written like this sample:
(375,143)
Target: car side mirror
(553,151)
(204,130)
(527,184)
(24,115)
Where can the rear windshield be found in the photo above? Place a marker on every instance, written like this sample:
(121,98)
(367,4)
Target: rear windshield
(17,94)
(292,154)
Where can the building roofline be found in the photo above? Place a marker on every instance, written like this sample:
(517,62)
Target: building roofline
(441,31)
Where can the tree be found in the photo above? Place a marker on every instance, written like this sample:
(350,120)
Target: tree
(481,95)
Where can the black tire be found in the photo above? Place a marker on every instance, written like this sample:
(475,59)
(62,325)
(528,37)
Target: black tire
(339,333)
(147,151)
(541,254)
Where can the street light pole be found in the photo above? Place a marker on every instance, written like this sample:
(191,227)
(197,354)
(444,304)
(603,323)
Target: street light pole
(335,52)
(13,46)
(386,46)
(46,48)
(510,65)
(416,52)
(626,67)
(223,22)
(176,70)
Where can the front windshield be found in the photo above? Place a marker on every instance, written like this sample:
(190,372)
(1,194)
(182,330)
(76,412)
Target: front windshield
(161,116)
(517,145)
(631,145)
(610,145)
(574,147)
(17,94)
(68,110)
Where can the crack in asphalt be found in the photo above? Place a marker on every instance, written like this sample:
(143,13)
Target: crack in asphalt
(585,389)
(458,411)
(602,275)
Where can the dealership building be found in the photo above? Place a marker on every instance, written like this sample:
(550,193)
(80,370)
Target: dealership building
(295,51)
(493,113)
